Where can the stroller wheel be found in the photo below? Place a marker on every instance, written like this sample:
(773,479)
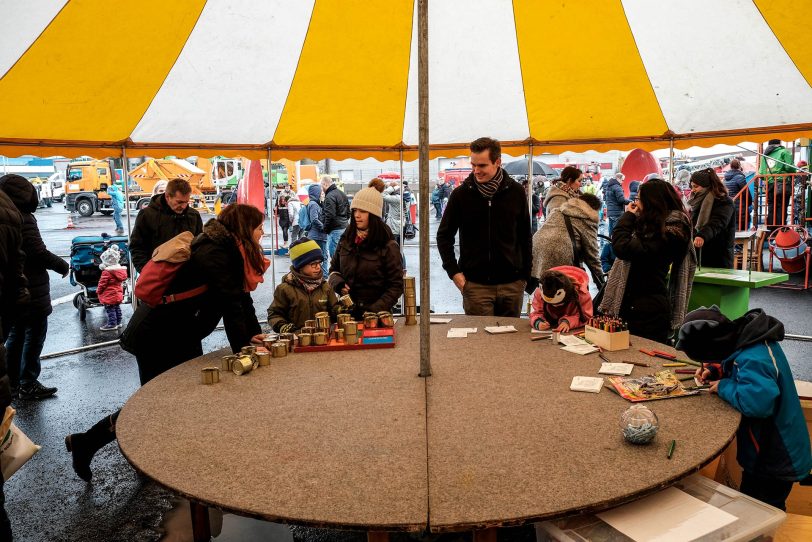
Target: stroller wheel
(76,300)
(82,306)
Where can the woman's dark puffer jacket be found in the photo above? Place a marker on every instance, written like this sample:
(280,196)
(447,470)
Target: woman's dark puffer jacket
(38,259)
(374,275)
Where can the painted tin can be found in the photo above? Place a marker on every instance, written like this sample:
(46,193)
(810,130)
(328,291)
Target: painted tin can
(242,365)
(410,310)
(411,320)
(340,334)
(267,343)
(307,329)
(554,337)
(346,301)
(386,319)
(264,358)
(305,339)
(286,342)
(279,349)
(291,338)
(350,328)
(343,318)
(370,320)
(323,320)
(408,283)
(210,375)
(320,338)
(351,338)
(309,323)
(228,361)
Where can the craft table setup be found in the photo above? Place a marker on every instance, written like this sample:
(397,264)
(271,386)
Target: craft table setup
(356,440)
(729,289)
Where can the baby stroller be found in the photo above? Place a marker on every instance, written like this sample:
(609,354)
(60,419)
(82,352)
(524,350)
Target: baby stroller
(85,257)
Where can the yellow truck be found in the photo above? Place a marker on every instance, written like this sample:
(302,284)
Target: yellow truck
(86,183)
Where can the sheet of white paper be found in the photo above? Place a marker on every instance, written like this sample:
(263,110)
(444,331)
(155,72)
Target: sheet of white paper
(468,329)
(438,320)
(723,276)
(581,349)
(592,384)
(668,516)
(571,340)
(500,329)
(621,369)
(541,331)
(457,333)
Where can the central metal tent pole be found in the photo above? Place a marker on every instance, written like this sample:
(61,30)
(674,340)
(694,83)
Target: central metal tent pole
(271,222)
(671,172)
(126,179)
(423,147)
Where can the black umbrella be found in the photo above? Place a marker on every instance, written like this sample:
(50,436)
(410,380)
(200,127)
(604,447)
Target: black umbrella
(519,167)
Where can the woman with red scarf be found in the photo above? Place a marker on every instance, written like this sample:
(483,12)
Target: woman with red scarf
(227,259)
(367,263)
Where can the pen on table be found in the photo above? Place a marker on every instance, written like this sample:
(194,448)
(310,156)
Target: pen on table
(638,363)
(604,358)
(671,448)
(674,364)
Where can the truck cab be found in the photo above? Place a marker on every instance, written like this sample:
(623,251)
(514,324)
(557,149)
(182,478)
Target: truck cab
(86,187)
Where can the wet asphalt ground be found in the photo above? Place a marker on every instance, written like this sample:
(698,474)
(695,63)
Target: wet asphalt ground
(48,502)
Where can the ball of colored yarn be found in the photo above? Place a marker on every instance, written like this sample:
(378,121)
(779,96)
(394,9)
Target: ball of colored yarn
(639,424)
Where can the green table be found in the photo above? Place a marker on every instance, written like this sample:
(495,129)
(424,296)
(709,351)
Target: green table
(729,288)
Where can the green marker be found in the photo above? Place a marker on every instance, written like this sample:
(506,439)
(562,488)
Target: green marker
(671,448)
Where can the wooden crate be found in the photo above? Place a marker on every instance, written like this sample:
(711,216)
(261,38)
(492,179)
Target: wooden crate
(619,340)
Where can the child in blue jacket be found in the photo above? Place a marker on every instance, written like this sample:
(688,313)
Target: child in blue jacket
(745,365)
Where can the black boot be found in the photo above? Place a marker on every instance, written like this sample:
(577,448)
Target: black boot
(83,446)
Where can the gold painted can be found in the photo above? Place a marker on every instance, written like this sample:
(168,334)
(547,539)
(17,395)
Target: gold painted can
(370,320)
(340,334)
(411,320)
(291,338)
(410,311)
(323,320)
(210,375)
(309,323)
(286,342)
(228,361)
(305,339)
(320,338)
(408,283)
(351,338)
(279,349)
(242,365)
(264,358)
(267,342)
(409,299)
(350,328)
(343,318)
(386,319)
(308,329)
(346,301)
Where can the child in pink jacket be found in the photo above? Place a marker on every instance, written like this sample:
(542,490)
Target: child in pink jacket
(562,300)
(110,289)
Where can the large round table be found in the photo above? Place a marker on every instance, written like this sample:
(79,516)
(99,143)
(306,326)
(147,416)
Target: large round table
(357,440)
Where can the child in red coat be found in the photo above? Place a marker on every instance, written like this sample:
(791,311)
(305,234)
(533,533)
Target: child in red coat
(562,300)
(110,290)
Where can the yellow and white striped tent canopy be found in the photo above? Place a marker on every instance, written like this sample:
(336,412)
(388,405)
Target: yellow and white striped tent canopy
(338,78)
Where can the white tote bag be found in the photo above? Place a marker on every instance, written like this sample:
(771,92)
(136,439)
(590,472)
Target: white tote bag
(16,448)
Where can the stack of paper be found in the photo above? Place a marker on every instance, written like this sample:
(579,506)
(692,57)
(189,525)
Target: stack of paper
(621,369)
(591,384)
(460,332)
(438,320)
(500,329)
(576,345)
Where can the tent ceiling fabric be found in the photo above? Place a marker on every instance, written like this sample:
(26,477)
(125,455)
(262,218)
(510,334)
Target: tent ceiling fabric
(337,78)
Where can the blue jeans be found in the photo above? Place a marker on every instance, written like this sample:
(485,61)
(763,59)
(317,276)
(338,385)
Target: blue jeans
(117,218)
(24,345)
(323,247)
(607,254)
(332,241)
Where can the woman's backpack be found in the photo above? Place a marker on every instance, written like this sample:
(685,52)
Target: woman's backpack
(304,218)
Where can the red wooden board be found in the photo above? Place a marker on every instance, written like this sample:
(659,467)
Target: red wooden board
(334,346)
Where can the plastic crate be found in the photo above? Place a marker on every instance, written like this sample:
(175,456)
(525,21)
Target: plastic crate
(756,521)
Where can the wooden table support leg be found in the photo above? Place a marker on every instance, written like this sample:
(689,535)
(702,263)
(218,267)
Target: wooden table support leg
(377,536)
(485,535)
(201,528)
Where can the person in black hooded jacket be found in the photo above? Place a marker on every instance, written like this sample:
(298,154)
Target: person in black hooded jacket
(735,181)
(227,259)
(713,219)
(29,327)
(12,294)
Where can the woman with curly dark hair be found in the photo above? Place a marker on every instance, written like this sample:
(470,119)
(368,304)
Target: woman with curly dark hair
(226,264)
(651,239)
(367,264)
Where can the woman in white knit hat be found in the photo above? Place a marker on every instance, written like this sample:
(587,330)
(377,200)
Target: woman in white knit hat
(367,263)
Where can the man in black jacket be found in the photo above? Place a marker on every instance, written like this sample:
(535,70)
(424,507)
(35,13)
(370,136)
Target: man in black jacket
(29,326)
(491,213)
(166,216)
(336,212)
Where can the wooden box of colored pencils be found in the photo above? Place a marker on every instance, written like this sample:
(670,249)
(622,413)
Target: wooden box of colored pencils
(618,340)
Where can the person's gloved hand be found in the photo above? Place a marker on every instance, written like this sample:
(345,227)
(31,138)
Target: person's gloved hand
(287,328)
(541,325)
